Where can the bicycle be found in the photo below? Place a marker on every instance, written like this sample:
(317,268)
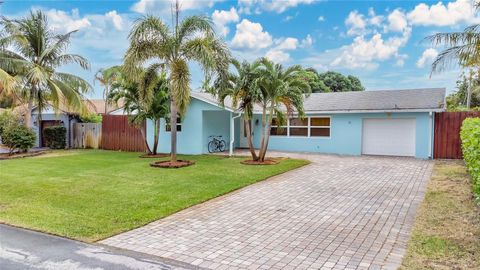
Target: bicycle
(216,144)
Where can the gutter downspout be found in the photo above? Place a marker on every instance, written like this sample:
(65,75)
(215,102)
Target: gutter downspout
(232,132)
(430,134)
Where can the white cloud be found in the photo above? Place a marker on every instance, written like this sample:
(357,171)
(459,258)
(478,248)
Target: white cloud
(250,35)
(356,23)
(397,21)
(366,53)
(278,6)
(223,17)
(278,56)
(427,57)
(164,7)
(307,41)
(63,21)
(116,19)
(374,19)
(321,18)
(440,14)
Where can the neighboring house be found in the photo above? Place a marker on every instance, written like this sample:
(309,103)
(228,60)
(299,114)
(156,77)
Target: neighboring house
(63,116)
(390,122)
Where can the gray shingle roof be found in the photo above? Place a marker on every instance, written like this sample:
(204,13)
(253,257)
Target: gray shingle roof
(430,99)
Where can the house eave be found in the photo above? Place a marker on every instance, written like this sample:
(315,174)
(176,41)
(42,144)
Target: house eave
(367,111)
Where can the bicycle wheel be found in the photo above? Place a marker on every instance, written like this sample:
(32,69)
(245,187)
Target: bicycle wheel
(212,147)
(221,145)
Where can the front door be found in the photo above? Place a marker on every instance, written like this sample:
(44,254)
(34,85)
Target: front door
(243,133)
(45,124)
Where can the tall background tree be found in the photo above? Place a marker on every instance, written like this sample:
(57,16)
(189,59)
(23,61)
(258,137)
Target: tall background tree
(107,77)
(457,101)
(171,49)
(331,81)
(32,52)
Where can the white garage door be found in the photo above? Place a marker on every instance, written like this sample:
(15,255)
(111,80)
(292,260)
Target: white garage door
(390,137)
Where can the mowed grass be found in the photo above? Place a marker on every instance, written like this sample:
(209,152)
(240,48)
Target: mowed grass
(446,233)
(90,195)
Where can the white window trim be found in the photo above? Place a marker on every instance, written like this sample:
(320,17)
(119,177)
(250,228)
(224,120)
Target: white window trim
(168,124)
(309,126)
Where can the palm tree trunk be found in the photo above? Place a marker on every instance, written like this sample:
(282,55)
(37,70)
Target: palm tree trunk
(469,93)
(156,131)
(173,130)
(263,151)
(249,139)
(144,136)
(28,113)
(105,96)
(264,124)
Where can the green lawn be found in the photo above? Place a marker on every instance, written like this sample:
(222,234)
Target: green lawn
(90,195)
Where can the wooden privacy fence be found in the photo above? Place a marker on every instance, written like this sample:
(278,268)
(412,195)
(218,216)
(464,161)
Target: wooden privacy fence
(117,134)
(447,142)
(87,135)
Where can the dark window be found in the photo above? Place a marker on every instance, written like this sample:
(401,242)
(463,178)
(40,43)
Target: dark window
(179,125)
(320,132)
(294,131)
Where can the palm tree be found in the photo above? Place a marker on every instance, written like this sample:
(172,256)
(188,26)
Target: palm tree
(281,93)
(463,48)
(240,87)
(107,78)
(29,49)
(131,94)
(191,40)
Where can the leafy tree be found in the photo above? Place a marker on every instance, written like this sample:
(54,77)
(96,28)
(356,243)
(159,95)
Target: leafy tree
(18,136)
(130,92)
(8,118)
(91,118)
(457,101)
(107,78)
(190,40)
(30,50)
(281,91)
(332,81)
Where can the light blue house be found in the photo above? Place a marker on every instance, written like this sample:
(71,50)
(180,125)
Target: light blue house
(390,122)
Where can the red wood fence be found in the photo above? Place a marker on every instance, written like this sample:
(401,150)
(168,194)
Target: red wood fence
(117,134)
(447,142)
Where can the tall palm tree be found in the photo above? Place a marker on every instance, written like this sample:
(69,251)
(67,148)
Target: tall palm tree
(130,92)
(107,77)
(29,49)
(281,94)
(190,40)
(240,87)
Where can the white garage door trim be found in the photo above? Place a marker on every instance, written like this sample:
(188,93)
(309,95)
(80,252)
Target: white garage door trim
(389,136)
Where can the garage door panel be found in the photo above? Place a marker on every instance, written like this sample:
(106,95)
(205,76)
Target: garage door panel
(392,137)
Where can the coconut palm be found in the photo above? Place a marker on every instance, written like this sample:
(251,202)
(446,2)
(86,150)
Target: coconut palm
(240,87)
(31,51)
(172,49)
(107,78)
(281,94)
(131,93)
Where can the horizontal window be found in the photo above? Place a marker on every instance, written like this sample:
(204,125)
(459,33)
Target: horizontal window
(179,125)
(302,127)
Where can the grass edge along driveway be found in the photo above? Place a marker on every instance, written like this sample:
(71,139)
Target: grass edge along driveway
(89,195)
(446,234)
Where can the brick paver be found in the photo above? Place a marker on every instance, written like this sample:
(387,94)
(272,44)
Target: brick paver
(336,213)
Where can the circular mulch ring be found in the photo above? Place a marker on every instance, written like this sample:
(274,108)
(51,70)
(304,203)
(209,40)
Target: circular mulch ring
(162,155)
(171,165)
(265,162)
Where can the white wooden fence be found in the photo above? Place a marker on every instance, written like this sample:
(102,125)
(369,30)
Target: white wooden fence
(87,135)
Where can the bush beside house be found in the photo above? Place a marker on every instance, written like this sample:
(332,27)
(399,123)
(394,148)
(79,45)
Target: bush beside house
(55,137)
(18,137)
(470,135)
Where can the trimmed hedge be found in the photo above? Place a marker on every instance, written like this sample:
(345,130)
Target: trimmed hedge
(17,136)
(470,135)
(55,136)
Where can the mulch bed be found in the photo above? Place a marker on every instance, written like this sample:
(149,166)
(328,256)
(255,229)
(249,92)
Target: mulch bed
(161,155)
(21,155)
(265,162)
(171,165)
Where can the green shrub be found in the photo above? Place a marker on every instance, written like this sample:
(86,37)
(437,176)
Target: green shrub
(470,135)
(55,137)
(8,118)
(18,136)
(91,118)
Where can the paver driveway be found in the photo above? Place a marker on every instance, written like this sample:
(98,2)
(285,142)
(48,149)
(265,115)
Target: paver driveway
(337,212)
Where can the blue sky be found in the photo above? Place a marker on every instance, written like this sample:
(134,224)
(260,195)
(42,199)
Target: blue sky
(381,42)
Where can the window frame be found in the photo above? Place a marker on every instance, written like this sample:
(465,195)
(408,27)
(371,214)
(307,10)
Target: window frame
(309,128)
(179,123)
